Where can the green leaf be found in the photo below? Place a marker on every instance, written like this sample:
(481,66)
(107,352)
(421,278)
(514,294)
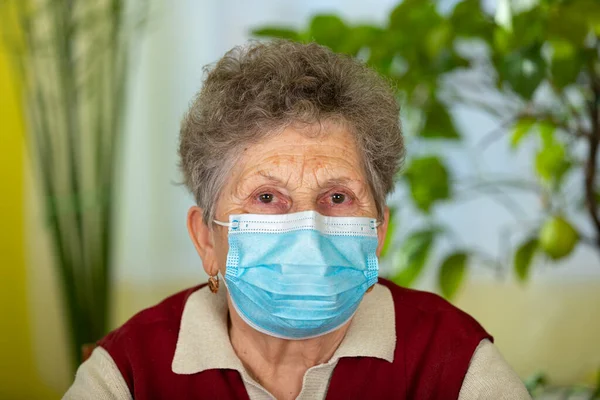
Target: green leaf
(410,22)
(573,20)
(429,182)
(501,40)
(447,60)
(565,64)
(520,130)
(276,32)
(469,20)
(411,14)
(328,30)
(359,37)
(439,123)
(413,255)
(536,383)
(524,71)
(523,257)
(452,274)
(562,49)
(390,233)
(380,58)
(529,28)
(551,162)
(546,129)
(439,38)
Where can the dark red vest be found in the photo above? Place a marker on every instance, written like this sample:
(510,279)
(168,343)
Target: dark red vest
(435,342)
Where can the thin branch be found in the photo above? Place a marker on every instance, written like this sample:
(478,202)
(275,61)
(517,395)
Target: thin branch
(492,110)
(575,114)
(592,157)
(520,184)
(499,196)
(495,134)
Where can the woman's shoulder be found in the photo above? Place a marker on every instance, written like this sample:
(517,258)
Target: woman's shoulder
(435,340)
(159,322)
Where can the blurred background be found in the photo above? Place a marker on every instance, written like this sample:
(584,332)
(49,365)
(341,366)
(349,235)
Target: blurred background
(93,214)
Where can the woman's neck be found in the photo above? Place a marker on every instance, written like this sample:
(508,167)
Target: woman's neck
(277,364)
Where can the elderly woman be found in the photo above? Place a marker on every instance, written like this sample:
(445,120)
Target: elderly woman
(290,151)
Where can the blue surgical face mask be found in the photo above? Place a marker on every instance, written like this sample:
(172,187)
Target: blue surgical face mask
(301,275)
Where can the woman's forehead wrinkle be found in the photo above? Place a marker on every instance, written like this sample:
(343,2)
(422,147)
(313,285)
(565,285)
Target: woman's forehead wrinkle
(325,182)
(293,163)
(302,169)
(282,180)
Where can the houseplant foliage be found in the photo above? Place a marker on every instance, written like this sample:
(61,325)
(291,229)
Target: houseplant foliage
(535,70)
(72,60)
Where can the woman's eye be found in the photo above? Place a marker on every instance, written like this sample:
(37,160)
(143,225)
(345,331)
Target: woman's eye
(338,198)
(265,198)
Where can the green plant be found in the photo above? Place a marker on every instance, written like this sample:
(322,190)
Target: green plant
(72,60)
(535,70)
(539,387)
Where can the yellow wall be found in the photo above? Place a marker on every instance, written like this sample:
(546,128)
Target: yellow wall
(19,377)
(551,327)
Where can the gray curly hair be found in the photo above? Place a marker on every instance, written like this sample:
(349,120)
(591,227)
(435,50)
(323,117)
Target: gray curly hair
(260,88)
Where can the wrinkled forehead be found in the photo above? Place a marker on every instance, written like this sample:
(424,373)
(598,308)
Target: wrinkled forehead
(298,159)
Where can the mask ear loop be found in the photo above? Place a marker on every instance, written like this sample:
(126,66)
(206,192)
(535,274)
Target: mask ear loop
(225,224)
(375,224)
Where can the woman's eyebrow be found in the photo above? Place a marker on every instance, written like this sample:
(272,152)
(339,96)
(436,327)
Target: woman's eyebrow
(337,181)
(262,176)
(342,181)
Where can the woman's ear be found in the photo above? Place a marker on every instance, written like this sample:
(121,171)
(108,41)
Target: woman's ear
(382,229)
(201,236)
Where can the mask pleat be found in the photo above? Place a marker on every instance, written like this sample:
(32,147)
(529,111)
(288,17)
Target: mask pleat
(337,281)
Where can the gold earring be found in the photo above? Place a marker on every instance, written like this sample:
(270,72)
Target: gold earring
(213,283)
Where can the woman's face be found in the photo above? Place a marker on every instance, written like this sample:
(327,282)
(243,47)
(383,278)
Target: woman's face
(294,171)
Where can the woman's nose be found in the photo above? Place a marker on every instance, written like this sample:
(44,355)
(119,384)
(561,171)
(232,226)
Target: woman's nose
(304,200)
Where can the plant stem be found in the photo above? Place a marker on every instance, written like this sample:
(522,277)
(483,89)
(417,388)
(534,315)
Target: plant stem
(590,166)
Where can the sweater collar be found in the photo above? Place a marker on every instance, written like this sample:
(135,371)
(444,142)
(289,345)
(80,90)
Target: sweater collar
(203,341)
